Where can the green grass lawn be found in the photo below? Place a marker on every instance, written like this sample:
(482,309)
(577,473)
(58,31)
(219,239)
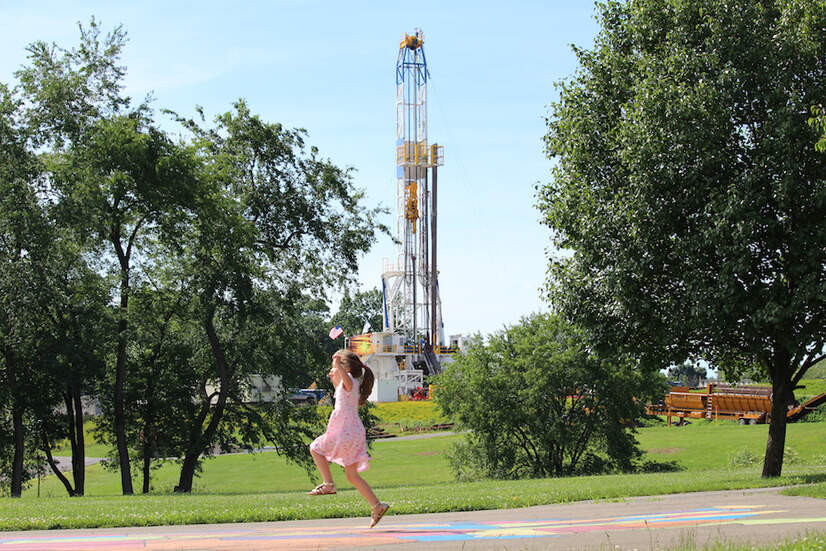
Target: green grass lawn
(395,463)
(811,490)
(813,387)
(698,447)
(44,513)
(809,541)
(414,475)
(703,444)
(401,417)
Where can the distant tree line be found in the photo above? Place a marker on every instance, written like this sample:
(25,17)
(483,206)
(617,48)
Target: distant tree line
(160,274)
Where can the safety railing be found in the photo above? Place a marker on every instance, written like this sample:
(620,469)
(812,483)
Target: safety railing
(418,154)
(420,348)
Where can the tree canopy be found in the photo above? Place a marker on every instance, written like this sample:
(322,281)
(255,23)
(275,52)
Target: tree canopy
(687,373)
(163,276)
(359,308)
(688,195)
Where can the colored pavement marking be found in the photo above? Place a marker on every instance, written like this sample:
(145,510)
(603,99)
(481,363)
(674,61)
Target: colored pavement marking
(220,537)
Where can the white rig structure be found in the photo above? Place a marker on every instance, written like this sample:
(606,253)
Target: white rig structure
(411,297)
(411,343)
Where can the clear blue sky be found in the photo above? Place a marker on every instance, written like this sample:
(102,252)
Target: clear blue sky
(328,67)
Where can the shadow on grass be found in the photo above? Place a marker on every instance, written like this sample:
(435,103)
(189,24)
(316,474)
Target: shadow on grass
(651,466)
(813,478)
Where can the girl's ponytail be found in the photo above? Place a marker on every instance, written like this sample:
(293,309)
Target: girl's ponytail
(366,386)
(358,369)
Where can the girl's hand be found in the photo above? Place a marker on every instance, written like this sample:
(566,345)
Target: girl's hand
(340,373)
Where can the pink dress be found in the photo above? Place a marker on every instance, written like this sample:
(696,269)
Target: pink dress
(344,442)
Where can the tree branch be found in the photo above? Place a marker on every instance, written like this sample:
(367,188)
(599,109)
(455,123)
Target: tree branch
(285,244)
(527,440)
(134,234)
(810,360)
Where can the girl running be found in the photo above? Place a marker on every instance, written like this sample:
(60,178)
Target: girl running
(345,442)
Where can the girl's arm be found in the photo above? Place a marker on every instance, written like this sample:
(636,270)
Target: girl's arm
(346,381)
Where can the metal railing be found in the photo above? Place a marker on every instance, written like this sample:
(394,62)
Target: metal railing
(420,348)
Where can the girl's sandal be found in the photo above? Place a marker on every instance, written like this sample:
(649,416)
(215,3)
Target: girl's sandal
(378,511)
(325,488)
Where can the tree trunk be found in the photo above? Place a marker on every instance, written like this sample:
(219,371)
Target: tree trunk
(147,464)
(120,378)
(47,449)
(17,426)
(148,440)
(204,437)
(149,427)
(201,440)
(781,387)
(187,472)
(19,449)
(78,442)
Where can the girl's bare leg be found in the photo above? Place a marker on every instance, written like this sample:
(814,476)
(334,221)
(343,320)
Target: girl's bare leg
(360,484)
(323,467)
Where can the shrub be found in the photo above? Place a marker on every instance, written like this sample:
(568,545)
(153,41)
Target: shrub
(540,402)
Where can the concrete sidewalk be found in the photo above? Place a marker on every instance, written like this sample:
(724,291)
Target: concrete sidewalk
(754,516)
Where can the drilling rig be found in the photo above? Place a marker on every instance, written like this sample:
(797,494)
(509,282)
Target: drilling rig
(411,343)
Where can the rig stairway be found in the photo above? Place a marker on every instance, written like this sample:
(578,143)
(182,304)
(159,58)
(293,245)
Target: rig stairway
(434,366)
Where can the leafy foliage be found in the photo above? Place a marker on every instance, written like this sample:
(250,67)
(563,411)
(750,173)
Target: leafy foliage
(687,373)
(539,402)
(818,122)
(688,193)
(163,275)
(817,416)
(279,224)
(115,179)
(357,308)
(51,310)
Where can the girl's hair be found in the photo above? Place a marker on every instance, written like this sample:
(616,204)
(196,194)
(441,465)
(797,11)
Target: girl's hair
(354,365)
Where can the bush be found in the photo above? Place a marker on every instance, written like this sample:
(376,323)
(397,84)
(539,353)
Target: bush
(540,402)
(649,466)
(467,464)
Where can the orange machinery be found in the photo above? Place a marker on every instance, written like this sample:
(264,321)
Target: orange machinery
(745,404)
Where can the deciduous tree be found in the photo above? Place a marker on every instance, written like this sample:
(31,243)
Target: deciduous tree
(687,373)
(359,307)
(281,224)
(115,176)
(687,191)
(24,247)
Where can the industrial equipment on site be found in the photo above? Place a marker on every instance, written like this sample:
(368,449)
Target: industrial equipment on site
(746,404)
(411,344)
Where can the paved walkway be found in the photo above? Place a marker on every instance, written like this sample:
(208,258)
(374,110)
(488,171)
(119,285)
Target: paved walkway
(658,522)
(64,463)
